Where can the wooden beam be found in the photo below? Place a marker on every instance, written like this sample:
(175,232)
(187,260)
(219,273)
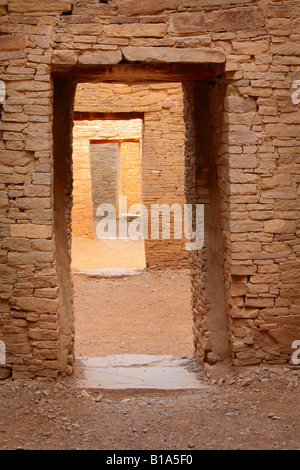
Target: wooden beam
(111,141)
(94,116)
(137,73)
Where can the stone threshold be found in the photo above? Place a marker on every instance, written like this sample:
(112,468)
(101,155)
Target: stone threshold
(108,273)
(131,371)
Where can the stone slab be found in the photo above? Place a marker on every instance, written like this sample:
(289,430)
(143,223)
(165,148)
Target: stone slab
(104,273)
(173,55)
(147,372)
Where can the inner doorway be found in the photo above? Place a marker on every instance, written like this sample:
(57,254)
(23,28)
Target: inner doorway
(106,171)
(121,307)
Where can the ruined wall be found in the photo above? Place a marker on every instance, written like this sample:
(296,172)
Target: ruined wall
(248,47)
(104,187)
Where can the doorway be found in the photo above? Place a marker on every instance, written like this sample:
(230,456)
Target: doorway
(120,307)
(210,330)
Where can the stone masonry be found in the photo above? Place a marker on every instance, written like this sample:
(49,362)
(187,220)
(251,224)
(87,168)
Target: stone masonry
(239,62)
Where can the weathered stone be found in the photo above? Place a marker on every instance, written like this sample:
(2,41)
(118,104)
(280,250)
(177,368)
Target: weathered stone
(85,29)
(35,6)
(208,3)
(280,226)
(242,138)
(7,273)
(171,55)
(100,58)
(31,258)
(9,43)
(94,9)
(243,161)
(38,305)
(144,7)
(16,244)
(5,372)
(244,312)
(236,18)
(62,57)
(13,158)
(289,9)
(31,231)
(136,30)
(187,23)
(276,181)
(42,335)
(250,47)
(239,104)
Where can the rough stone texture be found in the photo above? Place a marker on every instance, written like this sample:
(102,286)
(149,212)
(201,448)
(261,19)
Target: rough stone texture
(100,57)
(246,279)
(64,58)
(12,43)
(168,55)
(35,6)
(144,7)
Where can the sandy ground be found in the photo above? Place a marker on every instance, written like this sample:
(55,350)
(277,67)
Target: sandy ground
(92,253)
(149,313)
(260,411)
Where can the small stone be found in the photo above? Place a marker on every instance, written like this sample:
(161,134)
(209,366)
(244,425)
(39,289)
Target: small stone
(64,58)
(100,58)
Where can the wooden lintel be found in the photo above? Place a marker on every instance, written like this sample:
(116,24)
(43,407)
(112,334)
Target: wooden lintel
(95,116)
(112,141)
(137,73)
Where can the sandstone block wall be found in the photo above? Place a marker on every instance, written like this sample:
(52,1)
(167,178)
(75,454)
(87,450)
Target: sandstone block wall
(239,61)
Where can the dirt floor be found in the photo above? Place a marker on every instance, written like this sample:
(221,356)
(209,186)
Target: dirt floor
(260,410)
(148,313)
(92,253)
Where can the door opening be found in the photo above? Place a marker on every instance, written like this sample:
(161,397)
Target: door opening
(203,120)
(121,308)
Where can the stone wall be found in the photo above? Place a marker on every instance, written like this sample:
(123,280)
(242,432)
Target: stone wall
(240,58)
